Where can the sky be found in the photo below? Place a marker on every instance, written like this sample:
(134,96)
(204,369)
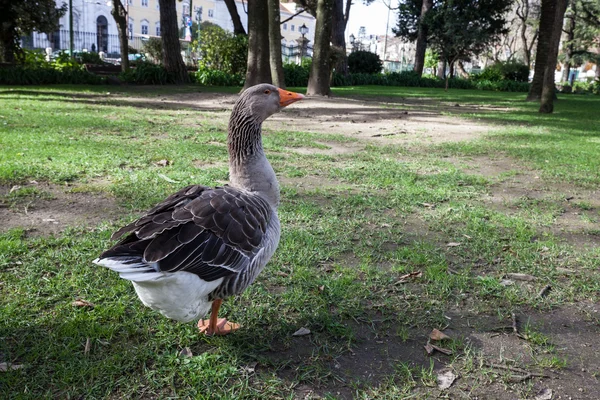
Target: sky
(372,17)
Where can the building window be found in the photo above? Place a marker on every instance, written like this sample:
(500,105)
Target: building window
(144,27)
(293,28)
(186,9)
(130,26)
(211,13)
(144,3)
(285,27)
(158,29)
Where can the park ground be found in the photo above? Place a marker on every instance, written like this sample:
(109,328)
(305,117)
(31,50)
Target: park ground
(404,210)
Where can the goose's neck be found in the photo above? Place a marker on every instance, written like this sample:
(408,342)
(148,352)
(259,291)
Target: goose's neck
(249,168)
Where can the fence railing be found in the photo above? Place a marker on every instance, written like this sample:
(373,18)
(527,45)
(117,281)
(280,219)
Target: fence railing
(96,42)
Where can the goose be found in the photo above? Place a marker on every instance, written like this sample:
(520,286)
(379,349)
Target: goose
(202,245)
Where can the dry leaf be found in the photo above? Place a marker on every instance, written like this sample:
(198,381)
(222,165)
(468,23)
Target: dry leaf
(186,352)
(88,346)
(163,163)
(445,379)
(544,394)
(250,368)
(428,205)
(301,332)
(404,278)
(429,348)
(507,282)
(82,303)
(9,367)
(321,288)
(436,334)
(442,350)
(520,277)
(453,244)
(14,188)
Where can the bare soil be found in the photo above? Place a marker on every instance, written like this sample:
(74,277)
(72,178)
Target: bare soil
(573,330)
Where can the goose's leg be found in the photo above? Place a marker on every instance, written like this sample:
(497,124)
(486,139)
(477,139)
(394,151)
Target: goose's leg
(215,325)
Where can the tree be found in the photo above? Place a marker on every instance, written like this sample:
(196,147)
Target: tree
(546,24)
(569,43)
(412,27)
(455,29)
(19,18)
(119,13)
(421,45)
(527,12)
(172,60)
(275,44)
(582,42)
(238,27)
(548,89)
(259,68)
(320,74)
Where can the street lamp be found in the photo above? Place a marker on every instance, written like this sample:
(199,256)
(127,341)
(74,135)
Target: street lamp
(303,31)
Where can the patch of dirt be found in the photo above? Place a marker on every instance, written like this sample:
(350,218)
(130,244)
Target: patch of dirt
(333,150)
(54,208)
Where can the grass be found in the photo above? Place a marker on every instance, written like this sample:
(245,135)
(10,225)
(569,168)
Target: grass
(338,270)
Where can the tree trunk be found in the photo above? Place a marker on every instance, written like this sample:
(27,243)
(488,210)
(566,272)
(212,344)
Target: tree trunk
(319,80)
(566,71)
(421,46)
(543,47)
(119,13)
(7,40)
(172,60)
(337,35)
(275,44)
(238,27)
(548,90)
(259,67)
(441,69)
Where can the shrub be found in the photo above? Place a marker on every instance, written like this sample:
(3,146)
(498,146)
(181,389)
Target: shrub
(297,75)
(504,71)
(47,74)
(153,47)
(364,62)
(212,77)
(147,73)
(221,50)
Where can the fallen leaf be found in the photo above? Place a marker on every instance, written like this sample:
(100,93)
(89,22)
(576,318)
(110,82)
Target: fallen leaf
(4,366)
(436,334)
(544,394)
(250,368)
(166,178)
(428,205)
(186,352)
(445,379)
(429,348)
(82,303)
(163,163)
(507,282)
(520,277)
(14,188)
(321,288)
(49,220)
(301,332)
(406,277)
(442,350)
(453,244)
(88,346)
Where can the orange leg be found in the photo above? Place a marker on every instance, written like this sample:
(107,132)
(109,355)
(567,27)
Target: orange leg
(215,325)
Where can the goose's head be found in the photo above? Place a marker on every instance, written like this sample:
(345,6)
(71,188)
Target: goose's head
(262,101)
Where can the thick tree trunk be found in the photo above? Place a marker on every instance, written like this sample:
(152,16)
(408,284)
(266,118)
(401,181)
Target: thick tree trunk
(319,80)
(543,47)
(275,44)
(259,67)
(172,60)
(441,69)
(7,40)
(548,90)
(119,13)
(523,15)
(337,35)
(421,45)
(238,27)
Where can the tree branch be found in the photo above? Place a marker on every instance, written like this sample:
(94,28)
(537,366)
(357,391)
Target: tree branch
(293,16)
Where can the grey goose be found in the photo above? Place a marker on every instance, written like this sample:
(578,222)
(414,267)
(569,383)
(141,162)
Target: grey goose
(201,244)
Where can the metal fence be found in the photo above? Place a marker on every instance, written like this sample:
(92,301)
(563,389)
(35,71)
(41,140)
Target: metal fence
(90,41)
(96,42)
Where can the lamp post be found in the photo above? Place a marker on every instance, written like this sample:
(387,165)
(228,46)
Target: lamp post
(303,31)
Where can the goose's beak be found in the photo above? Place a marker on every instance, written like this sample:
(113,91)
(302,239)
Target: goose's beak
(286,97)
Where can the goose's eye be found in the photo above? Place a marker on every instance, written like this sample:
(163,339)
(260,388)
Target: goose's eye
(267,91)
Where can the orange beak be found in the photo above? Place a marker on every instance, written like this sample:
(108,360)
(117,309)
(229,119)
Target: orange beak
(286,97)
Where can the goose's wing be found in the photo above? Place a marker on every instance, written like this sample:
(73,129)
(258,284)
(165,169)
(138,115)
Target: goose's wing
(209,232)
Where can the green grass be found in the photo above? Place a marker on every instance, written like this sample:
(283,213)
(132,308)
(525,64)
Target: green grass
(339,267)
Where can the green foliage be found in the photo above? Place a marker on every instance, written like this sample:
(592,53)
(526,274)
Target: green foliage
(213,77)
(364,62)
(505,71)
(221,50)
(154,48)
(297,75)
(431,59)
(89,58)
(147,73)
